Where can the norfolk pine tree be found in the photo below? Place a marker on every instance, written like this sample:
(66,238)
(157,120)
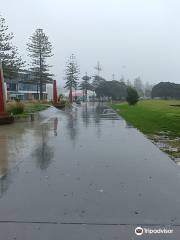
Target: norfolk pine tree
(40,48)
(72,75)
(85,85)
(11,61)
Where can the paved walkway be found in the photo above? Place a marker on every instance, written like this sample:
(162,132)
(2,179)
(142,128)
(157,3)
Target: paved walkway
(83,166)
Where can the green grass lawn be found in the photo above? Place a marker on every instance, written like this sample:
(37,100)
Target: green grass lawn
(152,116)
(31,107)
(25,107)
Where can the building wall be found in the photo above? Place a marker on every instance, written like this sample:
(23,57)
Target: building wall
(49,89)
(24,91)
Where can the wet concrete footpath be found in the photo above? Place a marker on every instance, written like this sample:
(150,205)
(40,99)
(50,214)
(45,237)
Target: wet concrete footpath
(84,173)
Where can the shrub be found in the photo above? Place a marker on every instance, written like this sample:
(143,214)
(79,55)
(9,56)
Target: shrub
(15,108)
(132,96)
(44,101)
(63,101)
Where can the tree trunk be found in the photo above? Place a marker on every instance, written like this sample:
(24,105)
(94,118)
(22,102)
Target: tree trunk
(55,98)
(37,97)
(41,90)
(86,94)
(41,82)
(70,95)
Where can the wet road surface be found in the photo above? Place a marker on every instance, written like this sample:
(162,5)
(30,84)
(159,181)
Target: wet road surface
(83,173)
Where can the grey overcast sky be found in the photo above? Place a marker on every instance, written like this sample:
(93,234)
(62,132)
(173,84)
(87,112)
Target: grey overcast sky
(129,37)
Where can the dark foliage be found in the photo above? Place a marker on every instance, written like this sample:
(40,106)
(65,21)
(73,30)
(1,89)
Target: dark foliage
(114,89)
(85,85)
(166,90)
(132,96)
(12,63)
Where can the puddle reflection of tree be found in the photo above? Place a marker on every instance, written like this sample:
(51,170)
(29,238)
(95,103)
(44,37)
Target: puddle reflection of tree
(91,110)
(5,181)
(11,142)
(72,125)
(86,115)
(5,176)
(44,153)
(55,127)
(98,119)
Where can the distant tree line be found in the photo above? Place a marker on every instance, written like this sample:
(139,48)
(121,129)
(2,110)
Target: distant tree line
(166,90)
(113,89)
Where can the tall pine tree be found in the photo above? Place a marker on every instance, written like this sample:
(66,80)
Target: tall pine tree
(11,61)
(40,48)
(72,75)
(85,85)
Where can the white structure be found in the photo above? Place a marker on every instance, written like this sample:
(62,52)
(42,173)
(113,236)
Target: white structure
(49,90)
(5,90)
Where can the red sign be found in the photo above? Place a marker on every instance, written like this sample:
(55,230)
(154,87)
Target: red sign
(54,91)
(2,102)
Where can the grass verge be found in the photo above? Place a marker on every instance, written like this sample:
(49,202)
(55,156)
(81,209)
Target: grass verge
(159,119)
(28,108)
(31,107)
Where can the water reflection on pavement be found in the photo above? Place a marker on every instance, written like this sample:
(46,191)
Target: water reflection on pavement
(85,165)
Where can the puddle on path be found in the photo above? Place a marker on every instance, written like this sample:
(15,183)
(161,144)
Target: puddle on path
(85,164)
